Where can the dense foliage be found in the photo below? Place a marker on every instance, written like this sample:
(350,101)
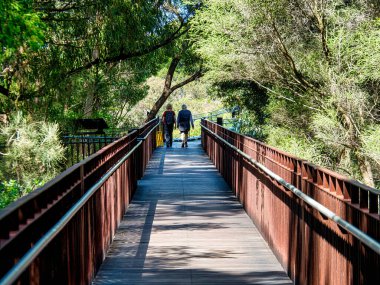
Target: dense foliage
(317,63)
(77,58)
(62,60)
(304,73)
(32,157)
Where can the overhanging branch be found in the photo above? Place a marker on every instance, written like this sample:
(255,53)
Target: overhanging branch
(195,76)
(124,56)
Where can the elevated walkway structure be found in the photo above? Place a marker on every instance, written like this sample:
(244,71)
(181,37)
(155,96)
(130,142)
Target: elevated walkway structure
(185,226)
(191,223)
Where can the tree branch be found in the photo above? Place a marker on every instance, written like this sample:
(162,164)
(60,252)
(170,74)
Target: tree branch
(125,56)
(297,74)
(195,76)
(170,73)
(64,8)
(168,89)
(4,91)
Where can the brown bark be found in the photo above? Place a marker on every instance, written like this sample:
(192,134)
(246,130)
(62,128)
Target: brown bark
(89,105)
(321,24)
(298,76)
(355,145)
(317,11)
(366,170)
(168,89)
(92,98)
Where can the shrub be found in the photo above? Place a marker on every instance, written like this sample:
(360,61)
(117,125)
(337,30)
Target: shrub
(33,156)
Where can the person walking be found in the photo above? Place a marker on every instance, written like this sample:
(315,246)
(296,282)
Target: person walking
(168,120)
(184,120)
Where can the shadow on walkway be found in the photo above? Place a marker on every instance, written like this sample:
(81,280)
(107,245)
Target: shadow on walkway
(184,226)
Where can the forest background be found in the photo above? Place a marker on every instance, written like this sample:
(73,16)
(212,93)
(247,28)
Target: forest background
(305,74)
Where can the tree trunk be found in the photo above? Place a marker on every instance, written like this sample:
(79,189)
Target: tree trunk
(362,162)
(92,98)
(366,170)
(89,105)
(168,89)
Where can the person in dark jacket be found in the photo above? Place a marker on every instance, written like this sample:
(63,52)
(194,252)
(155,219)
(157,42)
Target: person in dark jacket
(184,120)
(168,120)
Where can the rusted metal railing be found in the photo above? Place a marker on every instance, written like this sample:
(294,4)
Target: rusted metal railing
(61,232)
(315,246)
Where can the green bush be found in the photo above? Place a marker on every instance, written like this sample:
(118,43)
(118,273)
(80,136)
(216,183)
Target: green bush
(9,192)
(32,157)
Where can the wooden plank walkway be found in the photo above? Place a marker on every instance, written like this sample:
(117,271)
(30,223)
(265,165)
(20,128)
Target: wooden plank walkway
(184,226)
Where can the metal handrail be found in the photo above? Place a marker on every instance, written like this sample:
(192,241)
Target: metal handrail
(32,253)
(257,152)
(338,176)
(152,120)
(363,237)
(90,137)
(147,135)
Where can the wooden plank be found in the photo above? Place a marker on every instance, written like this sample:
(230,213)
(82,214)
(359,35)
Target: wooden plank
(184,226)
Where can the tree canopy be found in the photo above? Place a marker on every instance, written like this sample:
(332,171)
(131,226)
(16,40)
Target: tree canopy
(316,60)
(72,56)
(304,73)
(63,60)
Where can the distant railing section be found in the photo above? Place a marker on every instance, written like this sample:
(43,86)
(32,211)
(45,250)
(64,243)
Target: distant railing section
(211,115)
(78,147)
(61,232)
(312,247)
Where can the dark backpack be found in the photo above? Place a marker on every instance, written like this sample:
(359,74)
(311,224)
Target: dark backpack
(169,117)
(184,116)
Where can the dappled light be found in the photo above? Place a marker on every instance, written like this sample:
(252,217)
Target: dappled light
(190,142)
(185,226)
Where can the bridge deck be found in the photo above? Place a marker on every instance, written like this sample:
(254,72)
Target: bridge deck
(185,227)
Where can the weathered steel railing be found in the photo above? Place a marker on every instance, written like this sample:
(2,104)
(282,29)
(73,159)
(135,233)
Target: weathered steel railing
(61,232)
(337,245)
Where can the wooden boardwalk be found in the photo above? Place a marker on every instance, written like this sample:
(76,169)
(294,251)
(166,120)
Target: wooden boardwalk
(184,226)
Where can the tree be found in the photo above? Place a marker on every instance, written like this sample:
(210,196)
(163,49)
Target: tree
(21,32)
(168,88)
(183,60)
(90,38)
(315,60)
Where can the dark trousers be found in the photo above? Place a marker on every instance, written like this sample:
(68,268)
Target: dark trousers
(169,134)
